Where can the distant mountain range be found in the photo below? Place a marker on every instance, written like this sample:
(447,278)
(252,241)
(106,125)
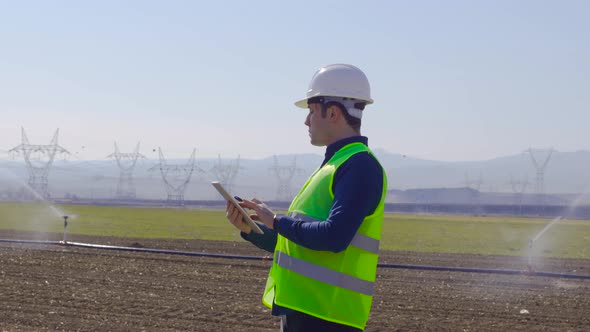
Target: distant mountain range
(565,173)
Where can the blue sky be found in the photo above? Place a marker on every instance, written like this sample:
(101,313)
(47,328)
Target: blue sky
(452,80)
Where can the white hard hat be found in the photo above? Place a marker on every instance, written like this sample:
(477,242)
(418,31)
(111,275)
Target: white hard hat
(338,80)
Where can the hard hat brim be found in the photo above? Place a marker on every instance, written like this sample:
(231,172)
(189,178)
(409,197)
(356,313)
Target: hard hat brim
(302,103)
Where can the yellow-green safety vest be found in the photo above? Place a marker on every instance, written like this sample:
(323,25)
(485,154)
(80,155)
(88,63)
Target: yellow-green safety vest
(336,287)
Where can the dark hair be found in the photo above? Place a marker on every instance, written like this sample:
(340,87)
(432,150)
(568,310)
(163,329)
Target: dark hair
(354,123)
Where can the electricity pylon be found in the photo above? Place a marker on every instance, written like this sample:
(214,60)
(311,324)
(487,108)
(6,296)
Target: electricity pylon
(540,167)
(226,173)
(126,163)
(284,175)
(39,170)
(176,177)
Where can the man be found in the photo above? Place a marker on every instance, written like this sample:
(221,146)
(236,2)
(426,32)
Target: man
(326,247)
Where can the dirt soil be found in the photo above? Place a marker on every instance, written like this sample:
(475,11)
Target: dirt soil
(66,288)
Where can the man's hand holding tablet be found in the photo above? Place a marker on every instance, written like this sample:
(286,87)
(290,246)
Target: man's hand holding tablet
(234,209)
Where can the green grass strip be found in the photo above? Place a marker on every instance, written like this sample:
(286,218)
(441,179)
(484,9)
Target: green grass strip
(422,233)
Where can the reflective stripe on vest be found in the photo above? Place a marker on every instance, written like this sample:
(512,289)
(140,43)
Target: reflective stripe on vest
(359,240)
(324,274)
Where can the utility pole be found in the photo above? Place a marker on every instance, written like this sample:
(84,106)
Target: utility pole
(37,168)
(126,163)
(176,177)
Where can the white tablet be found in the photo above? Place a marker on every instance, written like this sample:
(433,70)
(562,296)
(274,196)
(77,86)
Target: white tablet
(232,200)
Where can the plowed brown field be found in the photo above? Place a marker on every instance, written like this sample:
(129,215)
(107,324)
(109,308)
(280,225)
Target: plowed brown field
(57,288)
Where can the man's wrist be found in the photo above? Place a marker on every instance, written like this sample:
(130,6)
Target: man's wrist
(275,222)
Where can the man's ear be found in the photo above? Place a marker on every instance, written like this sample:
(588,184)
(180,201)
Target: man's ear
(334,112)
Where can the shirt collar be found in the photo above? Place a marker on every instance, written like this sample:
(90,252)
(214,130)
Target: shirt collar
(334,147)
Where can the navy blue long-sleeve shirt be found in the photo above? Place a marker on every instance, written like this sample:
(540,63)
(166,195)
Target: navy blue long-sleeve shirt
(357,186)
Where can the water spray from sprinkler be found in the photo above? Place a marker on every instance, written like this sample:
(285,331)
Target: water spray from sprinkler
(532,242)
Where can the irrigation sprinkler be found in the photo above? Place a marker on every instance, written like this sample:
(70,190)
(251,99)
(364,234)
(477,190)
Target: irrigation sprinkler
(65,229)
(532,241)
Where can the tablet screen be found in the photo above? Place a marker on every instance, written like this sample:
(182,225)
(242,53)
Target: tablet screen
(231,199)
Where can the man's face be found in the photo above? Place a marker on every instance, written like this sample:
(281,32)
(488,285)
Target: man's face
(318,125)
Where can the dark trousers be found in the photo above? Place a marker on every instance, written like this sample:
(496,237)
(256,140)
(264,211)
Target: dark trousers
(300,322)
